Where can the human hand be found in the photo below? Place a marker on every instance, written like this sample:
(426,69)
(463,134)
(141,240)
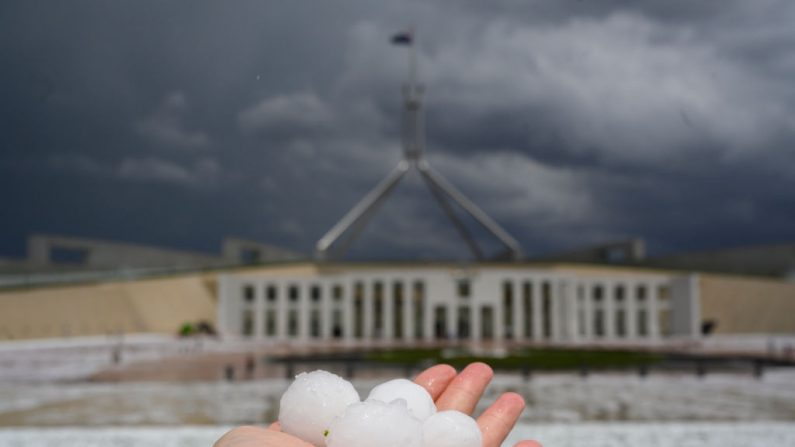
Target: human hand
(450,391)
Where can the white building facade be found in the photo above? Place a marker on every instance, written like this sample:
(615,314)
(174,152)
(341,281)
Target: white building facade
(478,303)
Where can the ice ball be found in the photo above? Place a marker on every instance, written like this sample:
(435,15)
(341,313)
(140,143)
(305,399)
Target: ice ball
(375,423)
(451,429)
(312,401)
(419,401)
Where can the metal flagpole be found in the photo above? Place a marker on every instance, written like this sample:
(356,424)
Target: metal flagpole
(414,158)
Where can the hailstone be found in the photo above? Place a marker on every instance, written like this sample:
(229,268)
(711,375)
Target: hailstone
(451,429)
(375,423)
(311,402)
(419,401)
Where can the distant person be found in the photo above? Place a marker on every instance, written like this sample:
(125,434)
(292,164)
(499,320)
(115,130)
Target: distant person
(450,391)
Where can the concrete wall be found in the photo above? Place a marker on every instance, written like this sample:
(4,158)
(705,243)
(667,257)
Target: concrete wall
(632,250)
(686,300)
(114,255)
(772,260)
(155,305)
(742,305)
(249,252)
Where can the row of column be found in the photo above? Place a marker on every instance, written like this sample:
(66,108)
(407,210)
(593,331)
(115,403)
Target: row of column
(553,309)
(300,301)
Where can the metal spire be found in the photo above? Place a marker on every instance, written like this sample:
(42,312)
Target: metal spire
(330,245)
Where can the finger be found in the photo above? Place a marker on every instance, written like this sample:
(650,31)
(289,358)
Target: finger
(276,426)
(528,443)
(436,379)
(465,390)
(249,436)
(497,421)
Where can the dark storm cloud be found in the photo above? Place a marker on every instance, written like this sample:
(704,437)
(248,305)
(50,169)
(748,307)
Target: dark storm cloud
(572,122)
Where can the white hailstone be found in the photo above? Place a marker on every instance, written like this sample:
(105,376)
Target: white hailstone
(451,429)
(418,400)
(375,423)
(311,402)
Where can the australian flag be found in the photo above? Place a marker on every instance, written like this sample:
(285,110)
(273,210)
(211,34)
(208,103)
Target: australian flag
(402,38)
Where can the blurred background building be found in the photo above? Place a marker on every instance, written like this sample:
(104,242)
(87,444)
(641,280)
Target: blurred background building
(609,293)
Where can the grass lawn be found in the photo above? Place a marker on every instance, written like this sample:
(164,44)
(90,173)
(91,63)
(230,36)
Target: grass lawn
(533,358)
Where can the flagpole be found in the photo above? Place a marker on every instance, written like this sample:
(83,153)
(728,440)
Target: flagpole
(413,64)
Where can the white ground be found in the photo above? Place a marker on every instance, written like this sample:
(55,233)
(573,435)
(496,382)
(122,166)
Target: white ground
(661,410)
(580,435)
(551,398)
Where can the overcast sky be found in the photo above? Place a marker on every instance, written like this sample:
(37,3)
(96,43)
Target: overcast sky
(572,123)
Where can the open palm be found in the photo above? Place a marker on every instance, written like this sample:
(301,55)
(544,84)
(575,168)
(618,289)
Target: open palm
(449,389)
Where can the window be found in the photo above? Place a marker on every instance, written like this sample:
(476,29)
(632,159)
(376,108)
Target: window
(418,300)
(358,310)
(314,323)
(487,322)
(336,324)
(546,309)
(292,293)
(397,309)
(464,288)
(314,293)
(621,325)
(440,321)
(248,293)
(378,309)
(464,322)
(248,323)
(507,308)
(271,293)
(270,322)
(336,292)
(643,329)
(292,323)
(598,323)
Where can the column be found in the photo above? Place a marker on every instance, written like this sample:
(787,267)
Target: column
(222,308)
(367,308)
(557,319)
(408,311)
(428,315)
(588,310)
(388,309)
(609,313)
(259,310)
(499,319)
(477,329)
(571,310)
(653,311)
(538,332)
(631,310)
(282,306)
(326,309)
(304,306)
(517,320)
(347,309)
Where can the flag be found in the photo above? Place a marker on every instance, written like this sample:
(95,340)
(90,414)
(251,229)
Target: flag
(402,38)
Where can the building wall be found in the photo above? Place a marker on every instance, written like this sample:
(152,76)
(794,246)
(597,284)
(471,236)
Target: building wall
(743,305)
(518,303)
(95,254)
(155,305)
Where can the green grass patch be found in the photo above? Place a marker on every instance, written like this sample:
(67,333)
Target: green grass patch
(533,358)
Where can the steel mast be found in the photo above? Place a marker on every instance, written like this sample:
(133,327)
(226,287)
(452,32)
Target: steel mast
(332,244)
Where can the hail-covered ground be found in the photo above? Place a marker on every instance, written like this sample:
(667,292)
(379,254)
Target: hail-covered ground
(44,401)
